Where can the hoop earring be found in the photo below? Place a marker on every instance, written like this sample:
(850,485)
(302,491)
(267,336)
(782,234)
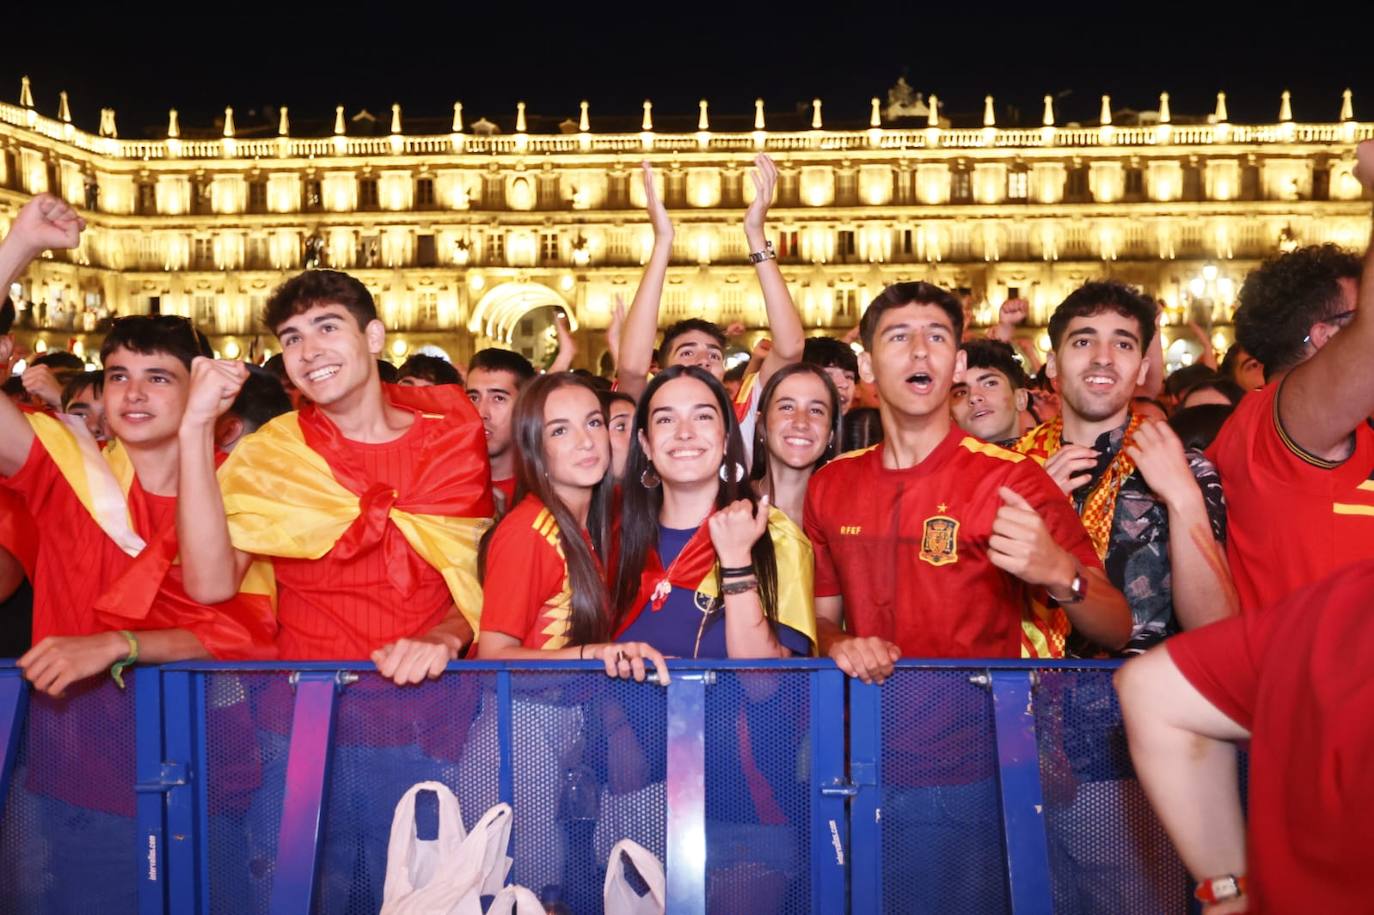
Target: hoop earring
(739,473)
(649,478)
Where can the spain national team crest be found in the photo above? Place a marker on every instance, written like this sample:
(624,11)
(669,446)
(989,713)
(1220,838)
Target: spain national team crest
(940,541)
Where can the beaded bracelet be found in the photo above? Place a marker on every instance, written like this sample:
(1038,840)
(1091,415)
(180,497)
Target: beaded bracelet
(740,586)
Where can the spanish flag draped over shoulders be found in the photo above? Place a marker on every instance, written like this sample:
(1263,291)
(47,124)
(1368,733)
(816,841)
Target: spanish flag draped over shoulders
(294,489)
(148,595)
(696,569)
(1045,626)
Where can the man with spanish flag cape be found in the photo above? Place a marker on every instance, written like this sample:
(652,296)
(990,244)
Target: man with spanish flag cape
(369,501)
(107,588)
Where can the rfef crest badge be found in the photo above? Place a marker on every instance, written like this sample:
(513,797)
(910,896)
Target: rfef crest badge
(940,540)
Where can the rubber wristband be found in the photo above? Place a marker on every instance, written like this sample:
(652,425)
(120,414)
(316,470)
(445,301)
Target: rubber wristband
(117,668)
(736,571)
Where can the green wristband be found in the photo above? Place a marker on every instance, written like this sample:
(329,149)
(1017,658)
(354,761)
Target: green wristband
(117,668)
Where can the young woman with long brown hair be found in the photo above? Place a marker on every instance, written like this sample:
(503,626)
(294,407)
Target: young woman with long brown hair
(544,594)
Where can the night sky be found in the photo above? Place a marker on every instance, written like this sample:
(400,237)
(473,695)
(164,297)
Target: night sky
(311,58)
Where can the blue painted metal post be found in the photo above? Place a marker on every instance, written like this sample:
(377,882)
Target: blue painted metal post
(182,718)
(504,738)
(686,866)
(307,785)
(1023,805)
(14,703)
(829,820)
(150,780)
(865,809)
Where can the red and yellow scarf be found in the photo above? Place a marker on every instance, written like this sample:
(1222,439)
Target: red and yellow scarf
(1099,509)
(695,569)
(1045,628)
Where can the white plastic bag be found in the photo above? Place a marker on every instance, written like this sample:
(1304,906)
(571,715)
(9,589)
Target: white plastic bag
(620,896)
(515,900)
(446,875)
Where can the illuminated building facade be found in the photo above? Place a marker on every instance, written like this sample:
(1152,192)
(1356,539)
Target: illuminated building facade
(469,237)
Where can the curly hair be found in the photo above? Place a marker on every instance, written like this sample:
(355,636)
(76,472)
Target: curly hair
(1283,297)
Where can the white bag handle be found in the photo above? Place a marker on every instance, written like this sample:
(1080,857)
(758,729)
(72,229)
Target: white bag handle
(477,867)
(620,897)
(515,900)
(412,864)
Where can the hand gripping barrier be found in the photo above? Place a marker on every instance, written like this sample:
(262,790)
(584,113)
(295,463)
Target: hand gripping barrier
(762,787)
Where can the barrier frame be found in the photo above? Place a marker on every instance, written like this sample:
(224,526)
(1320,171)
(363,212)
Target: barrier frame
(845,803)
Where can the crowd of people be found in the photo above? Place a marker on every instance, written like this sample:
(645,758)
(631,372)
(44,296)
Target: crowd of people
(933,495)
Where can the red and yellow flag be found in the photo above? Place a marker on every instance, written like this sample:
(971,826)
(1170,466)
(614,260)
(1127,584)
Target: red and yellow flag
(696,569)
(294,489)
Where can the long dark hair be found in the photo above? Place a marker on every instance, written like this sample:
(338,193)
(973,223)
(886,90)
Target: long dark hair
(590,618)
(641,505)
(761,455)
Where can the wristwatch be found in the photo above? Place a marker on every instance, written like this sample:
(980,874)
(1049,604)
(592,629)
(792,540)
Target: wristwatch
(1078,590)
(1220,889)
(767,254)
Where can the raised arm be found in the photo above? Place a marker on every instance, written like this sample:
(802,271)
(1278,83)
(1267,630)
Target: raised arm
(567,345)
(734,529)
(784,323)
(44,223)
(1316,421)
(211,568)
(641,324)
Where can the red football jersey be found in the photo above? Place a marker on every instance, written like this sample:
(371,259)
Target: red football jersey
(526,594)
(1297,677)
(345,607)
(908,549)
(1291,518)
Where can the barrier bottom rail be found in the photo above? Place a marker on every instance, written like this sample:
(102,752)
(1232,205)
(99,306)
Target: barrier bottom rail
(763,786)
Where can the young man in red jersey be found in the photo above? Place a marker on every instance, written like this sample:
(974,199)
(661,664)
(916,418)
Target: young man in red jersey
(106,587)
(107,591)
(928,544)
(368,501)
(495,377)
(1297,456)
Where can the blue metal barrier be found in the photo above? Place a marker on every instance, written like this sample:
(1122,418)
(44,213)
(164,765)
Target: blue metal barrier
(763,786)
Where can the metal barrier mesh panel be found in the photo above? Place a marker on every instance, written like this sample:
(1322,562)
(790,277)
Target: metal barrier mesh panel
(247,722)
(68,839)
(941,828)
(1108,852)
(758,781)
(589,757)
(586,766)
